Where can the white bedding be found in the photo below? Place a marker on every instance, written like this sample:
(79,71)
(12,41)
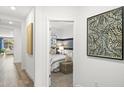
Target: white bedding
(56,57)
(55,60)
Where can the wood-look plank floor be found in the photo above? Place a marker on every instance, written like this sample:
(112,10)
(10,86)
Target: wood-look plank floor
(61,80)
(11,74)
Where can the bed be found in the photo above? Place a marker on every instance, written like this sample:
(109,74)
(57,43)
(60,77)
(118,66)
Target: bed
(55,61)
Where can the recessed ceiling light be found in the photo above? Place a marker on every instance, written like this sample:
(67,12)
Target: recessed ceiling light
(13,8)
(10,22)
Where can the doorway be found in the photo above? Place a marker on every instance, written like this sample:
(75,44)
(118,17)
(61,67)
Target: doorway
(61,53)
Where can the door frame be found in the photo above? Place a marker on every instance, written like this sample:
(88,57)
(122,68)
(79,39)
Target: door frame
(48,44)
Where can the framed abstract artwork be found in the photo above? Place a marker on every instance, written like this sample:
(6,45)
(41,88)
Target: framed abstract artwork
(30,39)
(105,34)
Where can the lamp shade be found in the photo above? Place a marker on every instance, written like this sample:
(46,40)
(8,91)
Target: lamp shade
(61,48)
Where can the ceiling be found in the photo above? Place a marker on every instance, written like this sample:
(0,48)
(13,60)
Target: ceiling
(4,23)
(20,12)
(15,16)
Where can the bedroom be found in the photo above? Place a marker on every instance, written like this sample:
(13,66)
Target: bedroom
(61,53)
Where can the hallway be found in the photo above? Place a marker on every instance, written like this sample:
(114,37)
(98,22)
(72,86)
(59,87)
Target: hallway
(11,75)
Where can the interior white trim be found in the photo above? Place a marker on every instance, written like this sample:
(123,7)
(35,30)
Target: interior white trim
(48,19)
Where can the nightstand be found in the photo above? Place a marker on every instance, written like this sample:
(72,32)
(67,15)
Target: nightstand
(66,67)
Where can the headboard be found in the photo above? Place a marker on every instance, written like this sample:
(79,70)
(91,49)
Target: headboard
(67,43)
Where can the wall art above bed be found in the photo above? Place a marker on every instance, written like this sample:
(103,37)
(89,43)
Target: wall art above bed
(105,34)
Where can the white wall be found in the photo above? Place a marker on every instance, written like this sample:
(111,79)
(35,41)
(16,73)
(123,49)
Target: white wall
(67,32)
(28,60)
(17,46)
(6,32)
(56,31)
(88,71)
(42,13)
(93,71)
(64,31)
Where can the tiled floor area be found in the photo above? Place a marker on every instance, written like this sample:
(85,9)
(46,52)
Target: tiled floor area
(10,76)
(61,80)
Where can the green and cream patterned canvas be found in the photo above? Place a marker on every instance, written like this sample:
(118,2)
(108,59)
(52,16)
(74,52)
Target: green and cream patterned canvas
(105,35)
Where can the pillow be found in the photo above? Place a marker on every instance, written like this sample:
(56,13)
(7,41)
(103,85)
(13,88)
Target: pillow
(52,51)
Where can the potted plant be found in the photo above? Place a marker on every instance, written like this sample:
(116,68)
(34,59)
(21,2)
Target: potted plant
(2,51)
